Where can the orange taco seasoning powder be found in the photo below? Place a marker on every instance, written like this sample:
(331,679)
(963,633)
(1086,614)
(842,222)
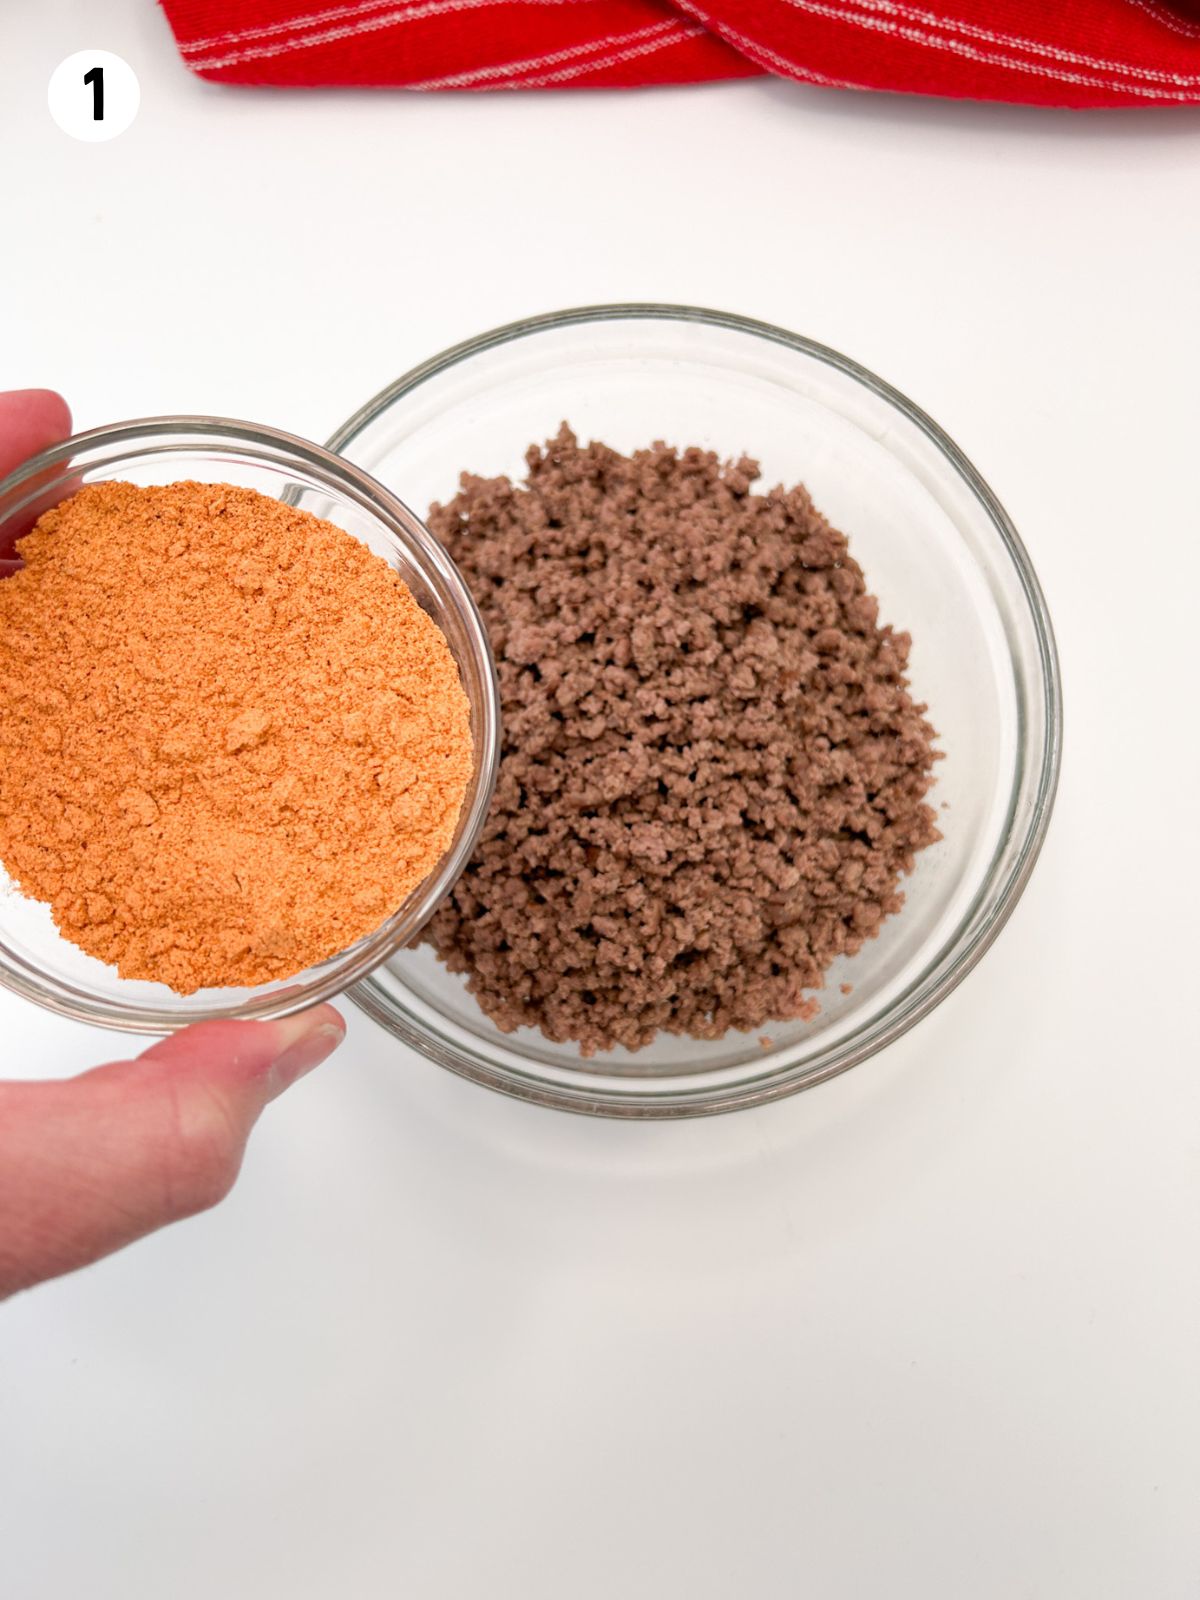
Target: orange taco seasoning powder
(231,742)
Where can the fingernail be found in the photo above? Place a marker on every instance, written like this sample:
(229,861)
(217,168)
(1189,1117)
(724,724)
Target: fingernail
(306,1039)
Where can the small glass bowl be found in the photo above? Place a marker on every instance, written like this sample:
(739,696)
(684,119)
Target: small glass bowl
(35,960)
(938,551)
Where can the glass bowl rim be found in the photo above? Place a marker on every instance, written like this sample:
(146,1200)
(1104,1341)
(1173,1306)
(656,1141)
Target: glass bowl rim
(400,522)
(974,935)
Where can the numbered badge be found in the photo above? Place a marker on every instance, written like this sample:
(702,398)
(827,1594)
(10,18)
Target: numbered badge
(93,95)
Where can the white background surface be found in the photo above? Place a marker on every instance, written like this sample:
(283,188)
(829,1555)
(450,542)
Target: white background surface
(929,1330)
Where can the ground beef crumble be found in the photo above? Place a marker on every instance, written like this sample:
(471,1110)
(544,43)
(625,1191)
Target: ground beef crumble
(713,774)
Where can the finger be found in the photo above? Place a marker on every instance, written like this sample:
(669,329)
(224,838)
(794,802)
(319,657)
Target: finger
(30,420)
(92,1163)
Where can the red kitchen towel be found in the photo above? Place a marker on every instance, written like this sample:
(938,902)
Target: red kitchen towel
(1075,53)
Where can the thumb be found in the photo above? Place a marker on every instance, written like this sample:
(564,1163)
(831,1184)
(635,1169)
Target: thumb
(30,420)
(91,1163)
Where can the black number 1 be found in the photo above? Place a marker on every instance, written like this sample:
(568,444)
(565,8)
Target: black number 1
(96,78)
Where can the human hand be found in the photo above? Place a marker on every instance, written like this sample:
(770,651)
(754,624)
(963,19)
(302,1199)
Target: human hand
(30,420)
(89,1164)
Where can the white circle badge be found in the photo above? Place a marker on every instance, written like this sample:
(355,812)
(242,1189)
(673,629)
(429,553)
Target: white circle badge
(93,95)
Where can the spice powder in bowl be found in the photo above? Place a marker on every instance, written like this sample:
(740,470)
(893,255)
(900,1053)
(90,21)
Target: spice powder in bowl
(231,741)
(713,774)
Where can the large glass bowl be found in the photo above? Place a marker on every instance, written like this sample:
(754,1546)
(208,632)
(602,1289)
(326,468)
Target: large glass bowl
(937,549)
(35,960)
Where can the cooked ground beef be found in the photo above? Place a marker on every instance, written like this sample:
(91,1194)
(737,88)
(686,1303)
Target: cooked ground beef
(713,773)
